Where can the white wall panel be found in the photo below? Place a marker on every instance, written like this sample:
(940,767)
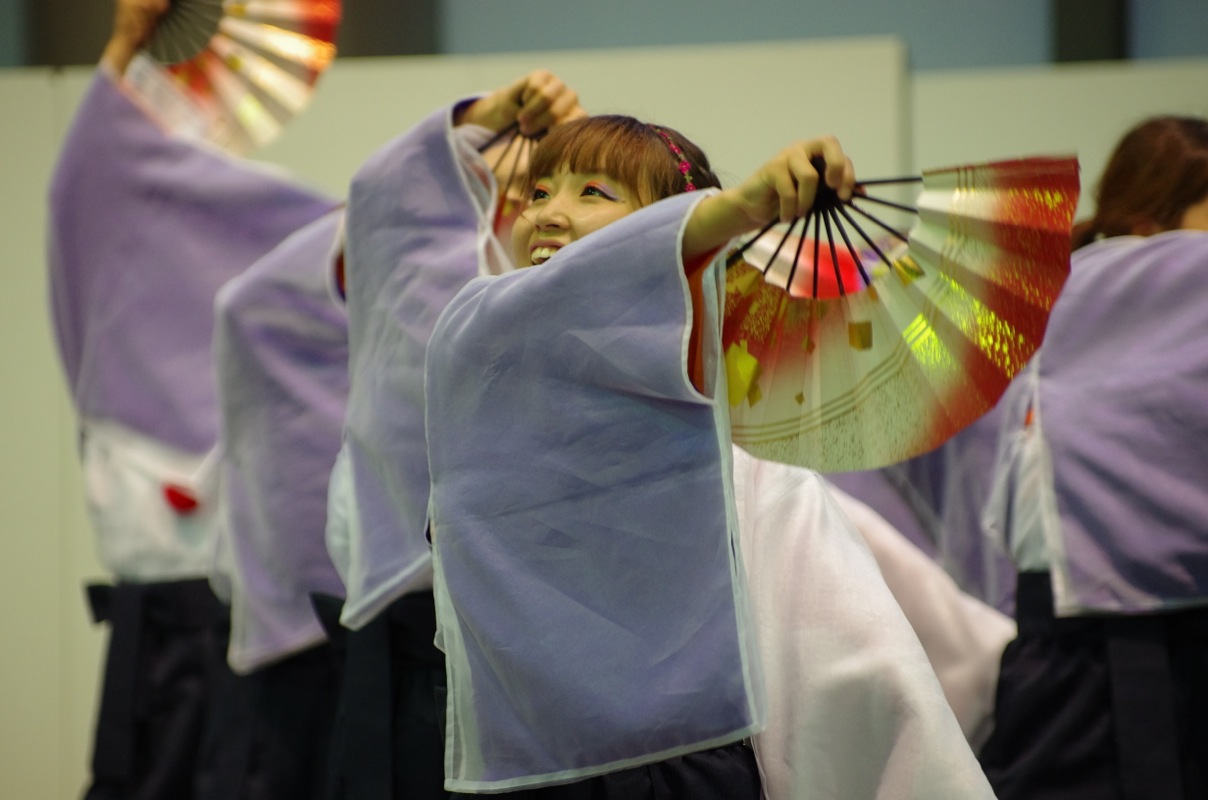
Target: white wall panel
(1083,109)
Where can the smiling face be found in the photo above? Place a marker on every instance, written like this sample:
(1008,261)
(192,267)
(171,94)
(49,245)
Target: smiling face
(593,171)
(565,207)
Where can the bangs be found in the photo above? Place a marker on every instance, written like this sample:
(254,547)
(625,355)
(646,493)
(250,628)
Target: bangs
(620,147)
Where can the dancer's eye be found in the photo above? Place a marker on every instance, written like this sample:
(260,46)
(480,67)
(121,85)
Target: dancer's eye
(596,190)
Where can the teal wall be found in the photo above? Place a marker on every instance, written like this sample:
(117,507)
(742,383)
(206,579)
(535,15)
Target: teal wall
(1169,28)
(941,34)
(12,29)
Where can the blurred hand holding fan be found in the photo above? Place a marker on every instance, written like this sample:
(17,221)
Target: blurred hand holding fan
(507,153)
(234,72)
(896,341)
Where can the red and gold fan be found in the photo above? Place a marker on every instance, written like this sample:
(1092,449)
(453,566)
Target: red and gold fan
(238,70)
(846,351)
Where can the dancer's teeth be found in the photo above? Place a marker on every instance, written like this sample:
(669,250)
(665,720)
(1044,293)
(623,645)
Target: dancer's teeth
(542,254)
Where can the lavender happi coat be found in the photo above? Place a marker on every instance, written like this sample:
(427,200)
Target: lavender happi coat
(281,350)
(590,598)
(412,243)
(145,227)
(1102,454)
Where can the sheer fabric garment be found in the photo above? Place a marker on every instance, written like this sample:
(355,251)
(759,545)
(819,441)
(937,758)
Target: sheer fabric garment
(962,636)
(854,707)
(1101,454)
(281,353)
(412,241)
(139,536)
(144,229)
(590,598)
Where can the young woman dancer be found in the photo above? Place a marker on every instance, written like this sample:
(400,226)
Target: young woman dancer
(590,593)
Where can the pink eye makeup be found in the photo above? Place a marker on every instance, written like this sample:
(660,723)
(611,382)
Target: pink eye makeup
(602,189)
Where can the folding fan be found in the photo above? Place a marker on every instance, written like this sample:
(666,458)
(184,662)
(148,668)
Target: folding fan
(238,71)
(508,153)
(848,351)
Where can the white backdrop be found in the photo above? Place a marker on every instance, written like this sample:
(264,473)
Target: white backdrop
(1082,109)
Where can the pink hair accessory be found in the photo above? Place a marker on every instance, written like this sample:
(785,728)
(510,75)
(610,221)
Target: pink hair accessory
(684,167)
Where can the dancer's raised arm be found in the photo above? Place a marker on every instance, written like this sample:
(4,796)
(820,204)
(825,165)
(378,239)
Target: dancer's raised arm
(134,22)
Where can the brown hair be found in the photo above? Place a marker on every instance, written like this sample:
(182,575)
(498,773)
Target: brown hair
(1157,171)
(626,149)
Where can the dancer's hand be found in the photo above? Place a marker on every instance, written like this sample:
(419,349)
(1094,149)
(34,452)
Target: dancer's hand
(783,188)
(536,102)
(133,24)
